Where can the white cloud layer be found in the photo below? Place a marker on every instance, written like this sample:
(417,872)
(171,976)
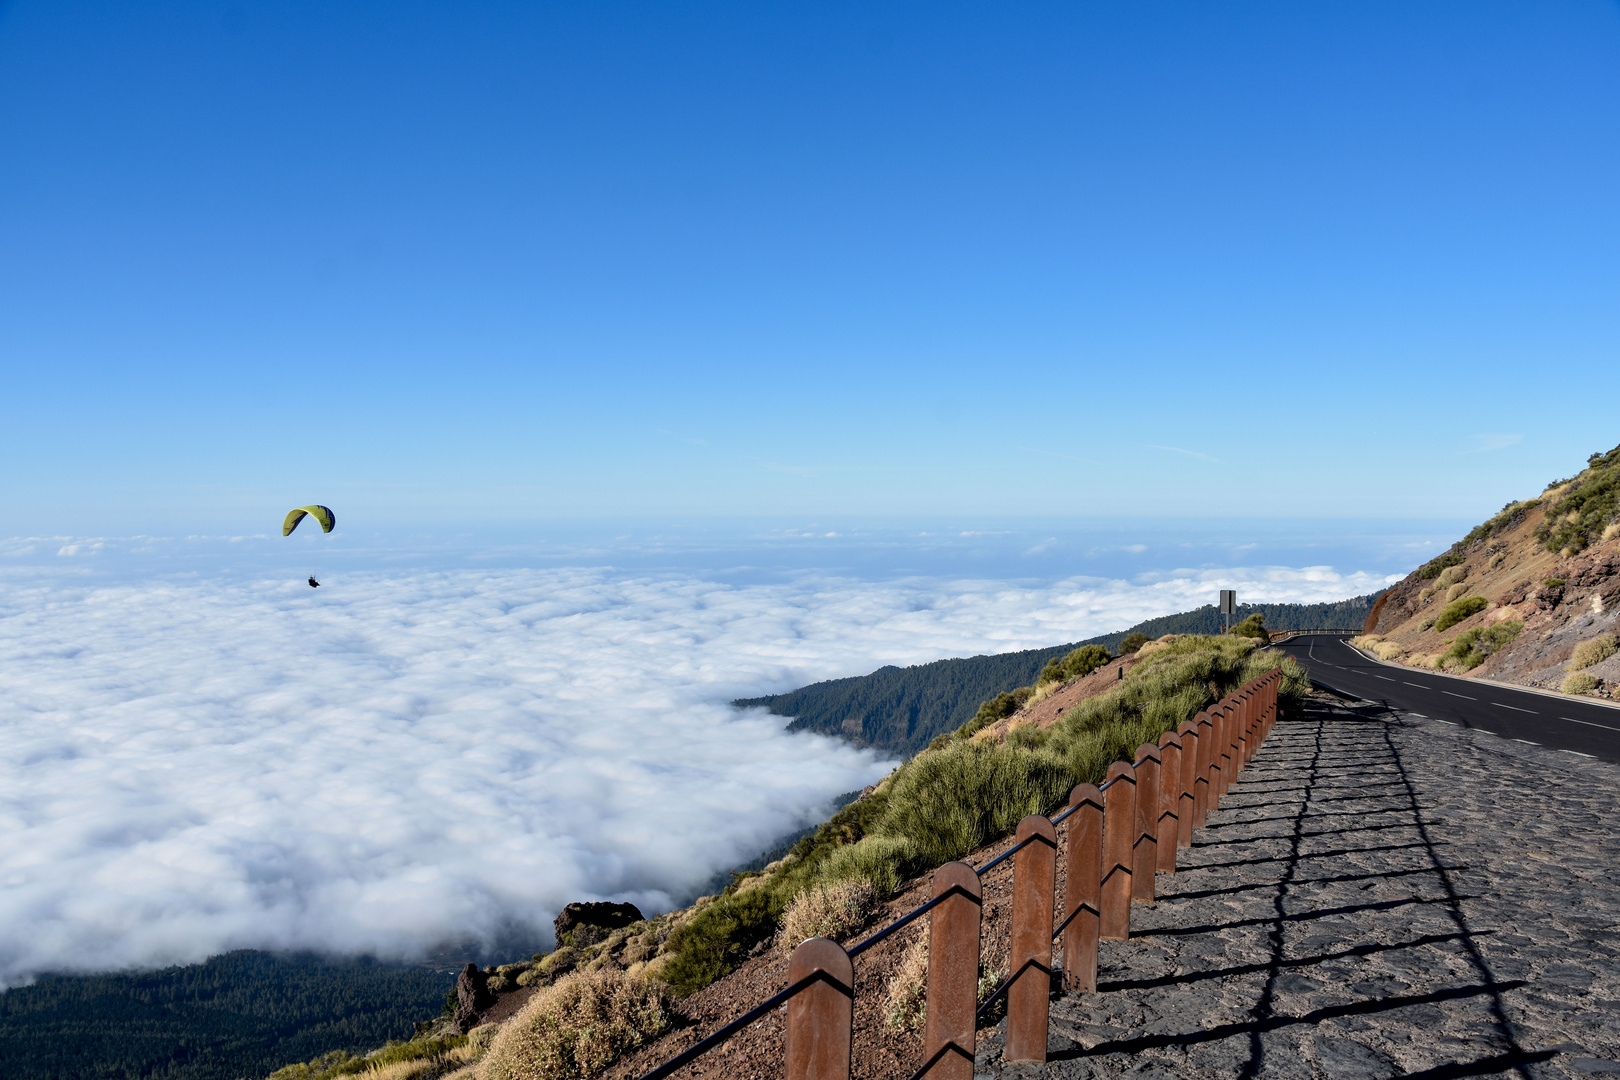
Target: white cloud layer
(400,760)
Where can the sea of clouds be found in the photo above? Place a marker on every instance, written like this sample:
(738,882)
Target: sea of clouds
(405,758)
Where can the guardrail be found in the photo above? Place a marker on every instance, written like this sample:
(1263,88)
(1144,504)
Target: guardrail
(1284,635)
(1120,834)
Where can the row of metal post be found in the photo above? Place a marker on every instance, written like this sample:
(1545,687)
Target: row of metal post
(1120,835)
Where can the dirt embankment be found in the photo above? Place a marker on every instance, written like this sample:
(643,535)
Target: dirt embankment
(1562,600)
(1049,710)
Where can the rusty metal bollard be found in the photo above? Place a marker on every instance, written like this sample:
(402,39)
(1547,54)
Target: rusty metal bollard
(820,1018)
(1119,832)
(1240,731)
(1189,783)
(1240,714)
(1030,971)
(1276,686)
(1169,830)
(1221,772)
(953,974)
(1145,848)
(1082,890)
(1257,723)
(1203,794)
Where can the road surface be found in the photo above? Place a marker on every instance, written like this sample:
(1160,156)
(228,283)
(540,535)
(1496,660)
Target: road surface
(1557,722)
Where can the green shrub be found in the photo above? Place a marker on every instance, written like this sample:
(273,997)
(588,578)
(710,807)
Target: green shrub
(578,1027)
(1133,642)
(1552,582)
(1594,651)
(719,936)
(1509,516)
(1473,646)
(1432,568)
(1579,682)
(1252,627)
(1585,507)
(882,862)
(1082,661)
(949,803)
(997,708)
(1458,610)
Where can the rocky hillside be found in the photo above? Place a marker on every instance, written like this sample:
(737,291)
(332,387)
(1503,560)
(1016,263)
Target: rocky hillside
(1531,596)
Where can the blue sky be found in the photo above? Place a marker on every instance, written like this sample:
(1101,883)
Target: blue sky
(514,263)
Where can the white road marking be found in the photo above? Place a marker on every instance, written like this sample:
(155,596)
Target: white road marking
(1384,677)
(1527,742)
(1448,723)
(1515,708)
(1589,723)
(1420,686)
(1465,697)
(1577,753)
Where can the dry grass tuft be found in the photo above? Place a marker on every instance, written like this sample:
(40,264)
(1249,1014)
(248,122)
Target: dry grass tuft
(1611,531)
(907,1004)
(1579,682)
(1459,589)
(1594,651)
(577,1027)
(405,1070)
(1043,691)
(831,911)
(1496,560)
(1450,576)
(1388,650)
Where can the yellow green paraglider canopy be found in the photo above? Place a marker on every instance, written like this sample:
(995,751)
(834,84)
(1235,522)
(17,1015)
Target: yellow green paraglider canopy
(319,513)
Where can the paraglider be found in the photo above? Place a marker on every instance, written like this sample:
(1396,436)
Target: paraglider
(319,513)
(322,514)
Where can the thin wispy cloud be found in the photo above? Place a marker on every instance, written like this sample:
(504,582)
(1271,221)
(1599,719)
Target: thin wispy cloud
(1484,444)
(400,760)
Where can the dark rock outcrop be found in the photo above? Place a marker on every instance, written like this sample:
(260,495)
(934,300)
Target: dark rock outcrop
(472,998)
(601,916)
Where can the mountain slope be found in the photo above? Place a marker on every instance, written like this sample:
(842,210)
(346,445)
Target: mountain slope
(900,710)
(1530,596)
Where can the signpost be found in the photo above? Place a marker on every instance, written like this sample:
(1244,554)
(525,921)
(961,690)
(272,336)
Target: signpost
(1228,605)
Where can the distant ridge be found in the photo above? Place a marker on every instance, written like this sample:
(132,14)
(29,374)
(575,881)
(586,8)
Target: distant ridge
(900,710)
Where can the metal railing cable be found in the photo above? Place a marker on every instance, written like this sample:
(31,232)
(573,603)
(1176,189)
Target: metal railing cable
(698,1049)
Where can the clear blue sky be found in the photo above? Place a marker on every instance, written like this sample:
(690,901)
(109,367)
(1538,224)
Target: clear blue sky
(527,261)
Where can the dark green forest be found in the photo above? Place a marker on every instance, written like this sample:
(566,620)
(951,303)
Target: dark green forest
(243,1014)
(900,710)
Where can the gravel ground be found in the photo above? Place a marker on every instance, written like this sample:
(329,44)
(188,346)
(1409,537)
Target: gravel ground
(1380,895)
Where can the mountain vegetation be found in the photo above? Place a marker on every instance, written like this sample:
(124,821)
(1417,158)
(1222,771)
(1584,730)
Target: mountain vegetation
(239,1014)
(901,710)
(1531,595)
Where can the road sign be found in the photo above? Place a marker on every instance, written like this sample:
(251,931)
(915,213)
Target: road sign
(1228,601)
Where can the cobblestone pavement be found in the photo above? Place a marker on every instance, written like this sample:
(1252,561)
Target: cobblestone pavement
(1380,895)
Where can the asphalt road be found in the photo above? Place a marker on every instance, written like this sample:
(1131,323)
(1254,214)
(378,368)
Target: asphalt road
(1556,722)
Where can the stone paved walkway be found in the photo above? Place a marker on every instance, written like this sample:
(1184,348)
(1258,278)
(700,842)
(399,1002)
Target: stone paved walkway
(1381,895)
